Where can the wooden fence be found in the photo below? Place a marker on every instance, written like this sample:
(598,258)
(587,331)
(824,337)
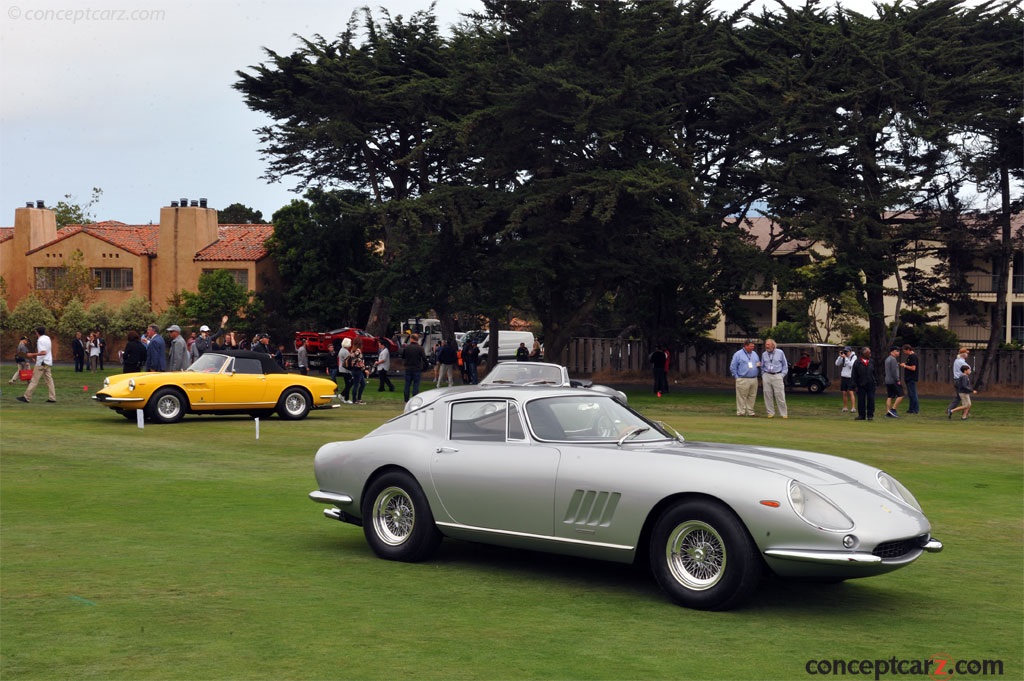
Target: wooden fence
(586,356)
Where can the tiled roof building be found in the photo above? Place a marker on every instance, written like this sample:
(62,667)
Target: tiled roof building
(154,260)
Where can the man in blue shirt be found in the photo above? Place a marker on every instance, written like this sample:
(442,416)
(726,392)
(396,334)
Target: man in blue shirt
(744,367)
(156,350)
(773,375)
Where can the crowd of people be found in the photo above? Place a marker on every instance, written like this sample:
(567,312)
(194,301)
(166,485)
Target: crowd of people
(858,380)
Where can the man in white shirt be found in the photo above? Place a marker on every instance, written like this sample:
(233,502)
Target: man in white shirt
(43,368)
(774,368)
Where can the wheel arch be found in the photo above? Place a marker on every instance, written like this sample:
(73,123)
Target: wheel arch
(385,470)
(658,509)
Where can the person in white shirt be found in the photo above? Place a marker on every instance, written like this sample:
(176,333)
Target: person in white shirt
(847,388)
(43,369)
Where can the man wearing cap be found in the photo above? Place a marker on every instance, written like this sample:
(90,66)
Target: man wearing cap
(745,367)
(179,350)
(204,343)
(156,350)
(847,387)
(263,344)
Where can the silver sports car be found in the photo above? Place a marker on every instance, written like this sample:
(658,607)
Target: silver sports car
(577,472)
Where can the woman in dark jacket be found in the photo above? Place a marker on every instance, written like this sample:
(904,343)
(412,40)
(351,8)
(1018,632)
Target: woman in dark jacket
(134,357)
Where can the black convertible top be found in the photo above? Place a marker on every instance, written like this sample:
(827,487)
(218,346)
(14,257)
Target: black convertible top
(266,361)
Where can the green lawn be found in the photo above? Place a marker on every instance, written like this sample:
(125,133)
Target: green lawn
(191,552)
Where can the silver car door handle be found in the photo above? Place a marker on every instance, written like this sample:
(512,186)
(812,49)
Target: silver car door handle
(446,450)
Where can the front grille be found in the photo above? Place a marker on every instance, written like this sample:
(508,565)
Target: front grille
(897,549)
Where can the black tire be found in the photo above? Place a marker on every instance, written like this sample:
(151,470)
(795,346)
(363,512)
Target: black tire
(815,387)
(703,557)
(397,520)
(167,405)
(128,414)
(294,404)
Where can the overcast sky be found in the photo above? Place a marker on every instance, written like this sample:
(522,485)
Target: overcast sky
(135,97)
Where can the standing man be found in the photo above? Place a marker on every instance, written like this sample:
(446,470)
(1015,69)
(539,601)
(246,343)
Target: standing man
(156,350)
(414,359)
(204,342)
(78,352)
(864,379)
(658,360)
(910,379)
(179,350)
(471,358)
(958,365)
(847,388)
(382,366)
(263,345)
(773,379)
(43,369)
(744,368)
(447,357)
(893,383)
(303,357)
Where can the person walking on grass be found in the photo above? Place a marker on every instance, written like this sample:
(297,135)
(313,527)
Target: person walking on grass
(964,390)
(44,368)
(893,383)
(958,364)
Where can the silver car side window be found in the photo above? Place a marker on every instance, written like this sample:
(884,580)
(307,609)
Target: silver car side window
(515,423)
(478,420)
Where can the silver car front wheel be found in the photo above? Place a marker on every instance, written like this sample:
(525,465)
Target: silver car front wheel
(703,557)
(696,555)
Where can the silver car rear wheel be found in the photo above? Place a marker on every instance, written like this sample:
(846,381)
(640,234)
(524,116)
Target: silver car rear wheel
(397,521)
(393,516)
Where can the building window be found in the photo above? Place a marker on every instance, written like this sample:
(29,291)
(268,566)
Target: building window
(114,278)
(48,278)
(241,276)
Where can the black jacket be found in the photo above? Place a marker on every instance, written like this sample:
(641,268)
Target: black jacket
(864,374)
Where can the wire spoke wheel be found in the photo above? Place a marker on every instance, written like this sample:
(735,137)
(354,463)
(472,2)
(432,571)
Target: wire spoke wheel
(696,555)
(394,516)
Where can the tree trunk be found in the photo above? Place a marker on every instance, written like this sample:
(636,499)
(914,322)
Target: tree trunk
(1000,269)
(380,316)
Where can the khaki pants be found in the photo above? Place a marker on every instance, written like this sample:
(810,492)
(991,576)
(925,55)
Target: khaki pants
(746,396)
(38,373)
(774,394)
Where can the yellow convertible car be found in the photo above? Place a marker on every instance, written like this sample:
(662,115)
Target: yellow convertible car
(220,382)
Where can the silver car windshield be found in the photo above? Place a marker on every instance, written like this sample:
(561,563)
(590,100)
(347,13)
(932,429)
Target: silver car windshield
(589,418)
(524,374)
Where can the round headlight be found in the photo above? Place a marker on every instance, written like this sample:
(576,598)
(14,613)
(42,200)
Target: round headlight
(814,509)
(106,382)
(131,384)
(895,489)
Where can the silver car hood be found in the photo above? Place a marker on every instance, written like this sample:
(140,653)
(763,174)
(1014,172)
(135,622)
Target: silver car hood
(809,467)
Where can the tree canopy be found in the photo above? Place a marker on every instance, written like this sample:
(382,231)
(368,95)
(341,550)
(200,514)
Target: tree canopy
(588,161)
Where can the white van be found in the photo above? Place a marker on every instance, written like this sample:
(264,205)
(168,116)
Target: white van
(508,342)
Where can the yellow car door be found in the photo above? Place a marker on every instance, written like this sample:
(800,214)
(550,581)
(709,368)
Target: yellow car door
(242,384)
